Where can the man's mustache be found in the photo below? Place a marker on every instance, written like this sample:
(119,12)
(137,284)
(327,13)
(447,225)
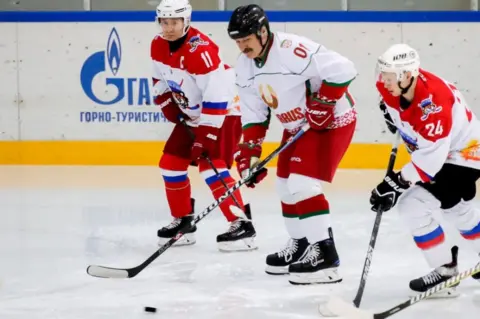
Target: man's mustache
(247,50)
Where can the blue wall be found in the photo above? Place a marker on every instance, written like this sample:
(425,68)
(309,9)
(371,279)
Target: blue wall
(274,16)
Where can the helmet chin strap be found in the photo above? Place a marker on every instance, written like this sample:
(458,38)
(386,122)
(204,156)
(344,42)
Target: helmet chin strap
(405,90)
(259,37)
(404,103)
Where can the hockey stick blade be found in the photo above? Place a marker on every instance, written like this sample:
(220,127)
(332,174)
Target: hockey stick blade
(347,310)
(338,307)
(122,273)
(108,272)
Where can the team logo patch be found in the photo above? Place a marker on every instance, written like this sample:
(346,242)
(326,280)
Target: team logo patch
(269,96)
(195,42)
(286,43)
(428,107)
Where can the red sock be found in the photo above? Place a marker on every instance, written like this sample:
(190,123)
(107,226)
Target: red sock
(217,187)
(177,184)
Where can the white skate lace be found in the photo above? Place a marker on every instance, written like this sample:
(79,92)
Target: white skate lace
(312,255)
(432,278)
(287,252)
(174,223)
(234,226)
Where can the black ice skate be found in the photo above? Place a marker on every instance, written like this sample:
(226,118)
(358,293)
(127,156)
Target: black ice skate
(277,263)
(437,276)
(318,266)
(240,236)
(169,231)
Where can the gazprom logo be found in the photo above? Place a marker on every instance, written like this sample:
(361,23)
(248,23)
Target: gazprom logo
(106,65)
(114,51)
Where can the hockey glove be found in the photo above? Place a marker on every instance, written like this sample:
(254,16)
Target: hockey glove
(319,112)
(386,194)
(247,157)
(388,119)
(169,107)
(205,143)
(249,153)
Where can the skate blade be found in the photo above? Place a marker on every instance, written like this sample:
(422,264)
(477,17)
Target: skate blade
(325,276)
(185,240)
(246,244)
(276,270)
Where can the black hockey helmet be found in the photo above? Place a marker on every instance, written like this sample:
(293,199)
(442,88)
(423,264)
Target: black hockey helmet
(246,20)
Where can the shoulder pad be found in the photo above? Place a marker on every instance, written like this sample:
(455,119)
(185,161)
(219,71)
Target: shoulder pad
(202,55)
(295,52)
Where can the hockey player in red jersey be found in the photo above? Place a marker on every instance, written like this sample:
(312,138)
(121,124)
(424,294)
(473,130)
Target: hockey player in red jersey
(443,138)
(298,81)
(204,88)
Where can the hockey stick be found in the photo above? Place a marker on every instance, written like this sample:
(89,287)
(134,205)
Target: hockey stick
(350,312)
(325,309)
(215,170)
(108,272)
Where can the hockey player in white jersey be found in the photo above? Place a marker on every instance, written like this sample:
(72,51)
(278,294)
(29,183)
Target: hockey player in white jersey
(443,136)
(298,81)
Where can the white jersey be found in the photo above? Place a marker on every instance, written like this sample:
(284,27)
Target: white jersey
(294,67)
(197,70)
(437,128)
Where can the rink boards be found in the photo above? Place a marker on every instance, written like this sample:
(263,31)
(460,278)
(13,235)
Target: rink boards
(76,87)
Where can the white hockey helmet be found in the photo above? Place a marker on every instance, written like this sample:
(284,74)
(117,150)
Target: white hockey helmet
(398,59)
(175,9)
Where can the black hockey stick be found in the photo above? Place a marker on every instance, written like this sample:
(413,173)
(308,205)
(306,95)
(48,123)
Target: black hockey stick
(108,272)
(349,311)
(325,309)
(376,228)
(209,161)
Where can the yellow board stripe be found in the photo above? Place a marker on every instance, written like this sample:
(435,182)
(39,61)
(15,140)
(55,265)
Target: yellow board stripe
(361,156)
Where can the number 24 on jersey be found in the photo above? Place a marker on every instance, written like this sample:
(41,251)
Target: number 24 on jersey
(434,129)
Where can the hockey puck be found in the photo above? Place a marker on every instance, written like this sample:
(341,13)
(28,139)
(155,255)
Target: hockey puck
(151,309)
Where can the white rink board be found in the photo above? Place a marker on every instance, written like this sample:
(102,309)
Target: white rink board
(8,83)
(53,105)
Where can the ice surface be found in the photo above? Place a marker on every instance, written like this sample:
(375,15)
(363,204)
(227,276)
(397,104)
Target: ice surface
(55,221)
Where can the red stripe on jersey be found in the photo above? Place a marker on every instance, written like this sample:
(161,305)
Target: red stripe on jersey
(332,91)
(423,176)
(214,111)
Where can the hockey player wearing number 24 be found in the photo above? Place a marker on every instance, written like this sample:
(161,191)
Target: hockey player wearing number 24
(443,137)
(299,81)
(204,88)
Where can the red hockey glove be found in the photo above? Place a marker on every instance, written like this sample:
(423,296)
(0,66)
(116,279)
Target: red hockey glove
(319,111)
(205,143)
(169,107)
(249,153)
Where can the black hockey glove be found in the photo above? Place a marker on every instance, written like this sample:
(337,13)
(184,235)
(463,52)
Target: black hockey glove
(386,194)
(388,119)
